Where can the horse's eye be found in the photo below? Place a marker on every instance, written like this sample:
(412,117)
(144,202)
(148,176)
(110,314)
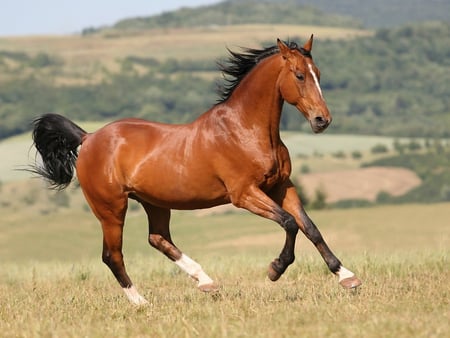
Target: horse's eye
(300,76)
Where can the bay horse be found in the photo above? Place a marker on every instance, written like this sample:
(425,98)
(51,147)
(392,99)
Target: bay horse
(230,154)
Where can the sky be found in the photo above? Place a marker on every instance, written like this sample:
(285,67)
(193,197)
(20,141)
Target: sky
(60,17)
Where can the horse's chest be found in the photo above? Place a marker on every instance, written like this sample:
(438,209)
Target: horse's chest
(275,171)
(270,179)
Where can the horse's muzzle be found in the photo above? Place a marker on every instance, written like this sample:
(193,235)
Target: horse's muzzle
(319,124)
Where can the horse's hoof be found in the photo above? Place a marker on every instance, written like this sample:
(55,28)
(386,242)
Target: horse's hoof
(350,282)
(211,287)
(272,273)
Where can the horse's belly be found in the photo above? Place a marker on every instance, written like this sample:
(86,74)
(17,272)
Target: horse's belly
(173,193)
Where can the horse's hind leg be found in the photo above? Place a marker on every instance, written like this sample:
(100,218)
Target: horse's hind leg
(111,216)
(159,238)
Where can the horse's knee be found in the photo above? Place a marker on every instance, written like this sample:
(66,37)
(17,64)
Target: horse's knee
(289,224)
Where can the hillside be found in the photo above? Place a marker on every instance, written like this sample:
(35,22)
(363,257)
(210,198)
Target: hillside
(346,13)
(228,13)
(384,13)
(105,77)
(374,84)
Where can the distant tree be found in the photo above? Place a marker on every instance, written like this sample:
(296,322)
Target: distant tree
(379,149)
(356,155)
(42,60)
(398,147)
(301,193)
(339,154)
(413,145)
(60,198)
(383,197)
(445,192)
(89,31)
(305,169)
(320,199)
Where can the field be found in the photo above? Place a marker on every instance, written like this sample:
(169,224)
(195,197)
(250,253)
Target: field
(77,50)
(88,59)
(54,284)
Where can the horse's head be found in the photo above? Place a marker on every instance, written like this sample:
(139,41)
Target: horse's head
(299,84)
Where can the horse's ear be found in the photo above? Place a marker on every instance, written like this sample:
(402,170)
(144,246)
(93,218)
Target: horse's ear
(284,49)
(308,45)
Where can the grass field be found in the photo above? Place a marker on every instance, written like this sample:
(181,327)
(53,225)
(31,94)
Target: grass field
(54,284)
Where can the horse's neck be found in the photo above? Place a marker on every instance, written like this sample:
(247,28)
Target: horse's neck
(257,99)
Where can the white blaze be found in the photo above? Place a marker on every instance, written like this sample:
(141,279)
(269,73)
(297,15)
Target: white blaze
(316,80)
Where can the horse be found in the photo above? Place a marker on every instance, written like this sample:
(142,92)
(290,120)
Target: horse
(232,153)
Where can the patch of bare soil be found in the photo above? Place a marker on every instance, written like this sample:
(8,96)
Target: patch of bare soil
(363,183)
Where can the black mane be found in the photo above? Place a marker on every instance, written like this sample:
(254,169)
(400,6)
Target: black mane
(238,65)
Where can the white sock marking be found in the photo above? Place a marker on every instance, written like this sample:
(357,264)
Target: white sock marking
(134,296)
(193,269)
(316,80)
(343,273)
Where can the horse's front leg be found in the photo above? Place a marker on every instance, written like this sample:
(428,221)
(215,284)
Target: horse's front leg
(256,201)
(290,202)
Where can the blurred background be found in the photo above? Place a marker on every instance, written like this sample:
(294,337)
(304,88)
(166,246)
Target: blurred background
(385,69)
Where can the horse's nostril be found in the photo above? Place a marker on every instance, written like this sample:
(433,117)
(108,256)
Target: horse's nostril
(320,121)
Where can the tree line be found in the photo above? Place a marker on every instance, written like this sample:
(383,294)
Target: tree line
(394,83)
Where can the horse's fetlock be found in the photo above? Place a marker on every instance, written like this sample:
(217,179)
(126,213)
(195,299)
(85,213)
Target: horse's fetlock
(288,259)
(334,265)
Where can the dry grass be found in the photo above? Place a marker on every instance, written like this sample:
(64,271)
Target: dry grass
(403,296)
(194,43)
(54,284)
(361,183)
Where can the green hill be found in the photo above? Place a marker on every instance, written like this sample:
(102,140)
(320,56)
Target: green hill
(344,13)
(392,82)
(238,13)
(384,13)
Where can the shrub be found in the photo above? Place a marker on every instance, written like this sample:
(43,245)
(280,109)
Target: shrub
(379,149)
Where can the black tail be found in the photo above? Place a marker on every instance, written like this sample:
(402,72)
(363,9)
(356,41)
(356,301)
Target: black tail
(56,139)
